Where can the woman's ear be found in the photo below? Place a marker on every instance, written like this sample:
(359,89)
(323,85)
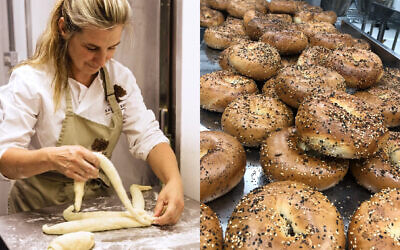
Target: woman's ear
(61,27)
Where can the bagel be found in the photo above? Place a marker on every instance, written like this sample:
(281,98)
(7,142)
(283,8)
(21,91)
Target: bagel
(375,224)
(222,36)
(218,4)
(269,88)
(386,100)
(390,79)
(219,88)
(257,26)
(316,55)
(238,8)
(360,68)
(223,56)
(222,164)
(210,229)
(294,83)
(340,125)
(334,40)
(210,17)
(303,16)
(314,28)
(284,6)
(256,60)
(287,41)
(282,159)
(285,215)
(381,170)
(250,118)
(250,14)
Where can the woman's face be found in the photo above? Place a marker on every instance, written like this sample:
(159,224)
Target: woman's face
(91,48)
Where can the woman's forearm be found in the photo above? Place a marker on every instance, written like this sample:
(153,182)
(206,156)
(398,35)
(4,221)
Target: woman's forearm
(163,163)
(18,163)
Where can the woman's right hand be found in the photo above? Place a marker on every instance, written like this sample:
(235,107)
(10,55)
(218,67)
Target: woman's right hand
(74,161)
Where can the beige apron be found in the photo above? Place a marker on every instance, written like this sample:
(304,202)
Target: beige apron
(53,188)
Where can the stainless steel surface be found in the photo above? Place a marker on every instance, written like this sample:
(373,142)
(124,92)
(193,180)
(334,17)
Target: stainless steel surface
(28,28)
(10,14)
(346,196)
(340,7)
(24,230)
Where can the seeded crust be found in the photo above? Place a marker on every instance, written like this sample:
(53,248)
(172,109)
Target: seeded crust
(315,15)
(386,100)
(250,118)
(257,26)
(238,8)
(283,159)
(360,68)
(256,60)
(218,4)
(316,55)
(294,83)
(210,17)
(340,125)
(288,41)
(220,37)
(375,224)
(219,88)
(222,164)
(383,169)
(285,215)
(390,79)
(269,88)
(210,229)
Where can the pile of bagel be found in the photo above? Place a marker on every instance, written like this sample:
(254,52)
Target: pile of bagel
(316,102)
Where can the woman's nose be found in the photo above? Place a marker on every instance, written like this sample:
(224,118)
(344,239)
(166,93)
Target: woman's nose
(101,58)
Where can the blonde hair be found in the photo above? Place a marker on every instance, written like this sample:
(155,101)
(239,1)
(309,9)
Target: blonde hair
(52,48)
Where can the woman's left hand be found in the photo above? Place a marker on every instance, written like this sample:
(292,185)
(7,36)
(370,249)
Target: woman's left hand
(169,204)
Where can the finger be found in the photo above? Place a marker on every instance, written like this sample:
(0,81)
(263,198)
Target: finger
(74,175)
(169,217)
(90,170)
(159,207)
(91,158)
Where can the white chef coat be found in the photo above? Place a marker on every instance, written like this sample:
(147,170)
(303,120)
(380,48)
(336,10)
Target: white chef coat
(28,118)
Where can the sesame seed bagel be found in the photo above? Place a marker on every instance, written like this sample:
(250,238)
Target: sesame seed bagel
(257,26)
(386,100)
(294,83)
(376,224)
(282,159)
(381,170)
(360,68)
(219,88)
(238,8)
(250,118)
(316,55)
(334,40)
(340,125)
(283,6)
(210,17)
(313,28)
(269,88)
(390,79)
(222,164)
(210,229)
(303,16)
(250,14)
(256,60)
(220,37)
(285,215)
(218,4)
(288,41)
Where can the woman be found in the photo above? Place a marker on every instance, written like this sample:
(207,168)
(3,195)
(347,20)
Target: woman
(72,98)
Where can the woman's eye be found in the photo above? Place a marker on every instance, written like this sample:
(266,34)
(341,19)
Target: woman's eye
(91,49)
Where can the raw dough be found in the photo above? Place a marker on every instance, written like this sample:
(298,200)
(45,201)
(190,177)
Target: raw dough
(73,241)
(92,225)
(79,189)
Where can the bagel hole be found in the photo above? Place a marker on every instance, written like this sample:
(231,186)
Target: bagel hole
(289,231)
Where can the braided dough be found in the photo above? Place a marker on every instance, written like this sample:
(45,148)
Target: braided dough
(135,216)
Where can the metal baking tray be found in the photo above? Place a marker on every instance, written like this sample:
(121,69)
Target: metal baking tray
(347,195)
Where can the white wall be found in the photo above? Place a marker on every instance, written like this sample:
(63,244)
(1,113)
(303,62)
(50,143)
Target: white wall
(186,74)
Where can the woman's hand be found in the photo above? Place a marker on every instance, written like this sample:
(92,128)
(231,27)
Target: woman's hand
(74,161)
(169,204)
